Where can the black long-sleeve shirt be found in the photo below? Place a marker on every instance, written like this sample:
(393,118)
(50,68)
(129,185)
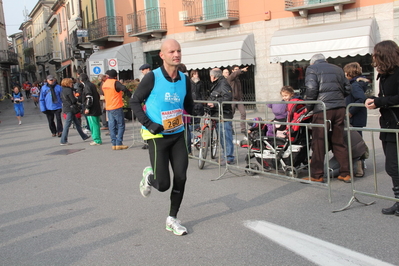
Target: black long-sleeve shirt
(144,89)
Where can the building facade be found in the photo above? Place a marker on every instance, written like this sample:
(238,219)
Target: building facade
(274,38)
(8,57)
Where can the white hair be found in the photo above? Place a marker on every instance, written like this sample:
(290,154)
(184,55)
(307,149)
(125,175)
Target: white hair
(216,72)
(317,57)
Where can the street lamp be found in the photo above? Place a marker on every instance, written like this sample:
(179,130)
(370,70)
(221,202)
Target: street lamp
(79,22)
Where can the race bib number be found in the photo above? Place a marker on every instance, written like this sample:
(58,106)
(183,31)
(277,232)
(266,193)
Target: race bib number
(172,120)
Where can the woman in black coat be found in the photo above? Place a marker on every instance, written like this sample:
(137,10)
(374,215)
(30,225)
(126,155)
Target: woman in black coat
(386,62)
(198,93)
(68,100)
(92,108)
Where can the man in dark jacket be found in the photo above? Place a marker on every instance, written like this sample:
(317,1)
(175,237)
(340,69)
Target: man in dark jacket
(93,110)
(220,92)
(327,83)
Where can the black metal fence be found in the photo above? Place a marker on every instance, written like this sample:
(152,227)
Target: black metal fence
(106,26)
(204,10)
(150,19)
(8,57)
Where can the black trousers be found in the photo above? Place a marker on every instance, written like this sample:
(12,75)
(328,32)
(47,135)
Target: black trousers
(391,161)
(50,118)
(169,149)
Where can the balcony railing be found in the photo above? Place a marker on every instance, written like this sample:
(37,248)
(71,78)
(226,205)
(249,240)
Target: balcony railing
(106,29)
(150,21)
(81,43)
(8,57)
(41,59)
(206,12)
(303,5)
(55,57)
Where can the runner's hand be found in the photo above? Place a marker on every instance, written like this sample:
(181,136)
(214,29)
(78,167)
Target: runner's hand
(155,128)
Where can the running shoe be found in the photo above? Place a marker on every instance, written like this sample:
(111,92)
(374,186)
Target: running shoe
(65,144)
(173,225)
(145,187)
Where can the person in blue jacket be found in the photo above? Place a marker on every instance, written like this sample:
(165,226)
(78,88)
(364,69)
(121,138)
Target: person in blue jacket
(51,105)
(358,115)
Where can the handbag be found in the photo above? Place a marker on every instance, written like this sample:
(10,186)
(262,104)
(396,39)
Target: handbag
(75,108)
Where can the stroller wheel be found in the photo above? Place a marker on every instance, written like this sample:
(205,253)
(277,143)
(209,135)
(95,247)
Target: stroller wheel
(291,172)
(251,166)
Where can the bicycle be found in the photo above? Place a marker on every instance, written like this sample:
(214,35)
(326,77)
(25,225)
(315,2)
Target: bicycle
(202,143)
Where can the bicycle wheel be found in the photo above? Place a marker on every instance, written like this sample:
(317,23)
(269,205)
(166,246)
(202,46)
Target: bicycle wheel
(214,143)
(204,147)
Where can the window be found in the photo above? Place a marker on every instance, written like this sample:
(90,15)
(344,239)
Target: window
(92,10)
(72,8)
(68,10)
(59,23)
(62,51)
(64,20)
(294,72)
(67,51)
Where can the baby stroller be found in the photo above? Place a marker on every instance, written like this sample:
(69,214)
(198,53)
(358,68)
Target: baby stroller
(289,153)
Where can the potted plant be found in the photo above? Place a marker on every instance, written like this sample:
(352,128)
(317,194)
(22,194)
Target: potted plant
(131,85)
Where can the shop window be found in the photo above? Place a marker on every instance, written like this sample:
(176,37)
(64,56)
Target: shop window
(294,72)
(247,83)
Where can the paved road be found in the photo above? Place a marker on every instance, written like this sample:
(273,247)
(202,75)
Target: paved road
(80,205)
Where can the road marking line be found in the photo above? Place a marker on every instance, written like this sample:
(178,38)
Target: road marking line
(313,249)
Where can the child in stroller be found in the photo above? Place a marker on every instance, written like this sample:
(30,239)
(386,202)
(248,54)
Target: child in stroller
(287,152)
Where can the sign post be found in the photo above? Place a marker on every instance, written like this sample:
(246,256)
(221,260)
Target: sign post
(113,64)
(96,68)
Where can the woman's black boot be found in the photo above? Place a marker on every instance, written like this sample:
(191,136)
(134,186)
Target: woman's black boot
(395,208)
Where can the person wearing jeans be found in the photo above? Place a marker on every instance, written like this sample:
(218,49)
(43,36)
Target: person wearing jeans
(220,92)
(225,130)
(113,92)
(116,125)
(70,117)
(69,100)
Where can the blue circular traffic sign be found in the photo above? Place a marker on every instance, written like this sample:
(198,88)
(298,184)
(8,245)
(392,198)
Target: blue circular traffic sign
(96,70)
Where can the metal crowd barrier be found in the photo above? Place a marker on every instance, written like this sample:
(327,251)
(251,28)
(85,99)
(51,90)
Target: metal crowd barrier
(372,151)
(241,167)
(241,154)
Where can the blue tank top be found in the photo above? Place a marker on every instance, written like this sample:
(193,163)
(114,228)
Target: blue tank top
(166,103)
(17,97)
